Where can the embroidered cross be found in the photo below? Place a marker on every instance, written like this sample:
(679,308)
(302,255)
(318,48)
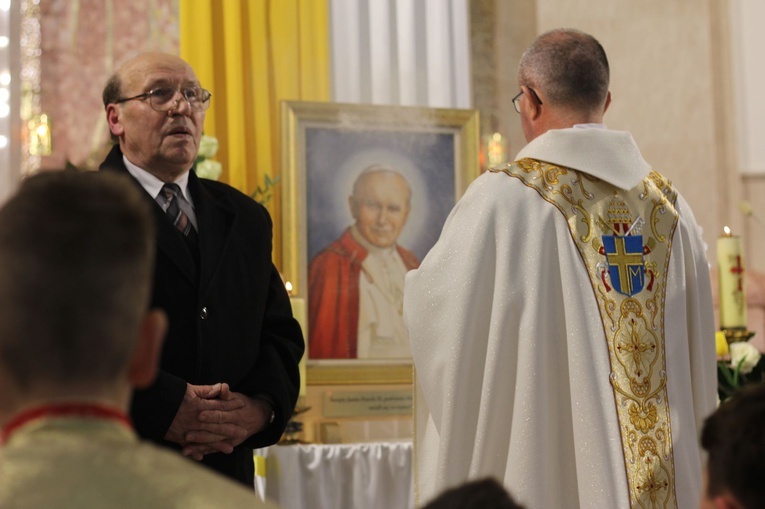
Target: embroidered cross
(628,265)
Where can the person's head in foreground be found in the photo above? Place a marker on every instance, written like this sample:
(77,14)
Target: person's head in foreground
(76,251)
(484,493)
(734,439)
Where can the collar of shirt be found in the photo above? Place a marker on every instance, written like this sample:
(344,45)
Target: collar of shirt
(153,185)
(590,126)
(609,155)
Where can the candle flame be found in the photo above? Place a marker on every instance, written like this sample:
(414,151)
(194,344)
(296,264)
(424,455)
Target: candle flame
(288,286)
(727,231)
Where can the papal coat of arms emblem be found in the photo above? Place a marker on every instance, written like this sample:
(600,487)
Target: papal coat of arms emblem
(624,251)
(626,268)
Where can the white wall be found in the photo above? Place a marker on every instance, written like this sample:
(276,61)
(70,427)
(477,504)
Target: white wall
(747,42)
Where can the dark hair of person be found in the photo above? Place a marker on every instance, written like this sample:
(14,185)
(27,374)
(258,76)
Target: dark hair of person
(111,94)
(484,493)
(734,438)
(76,251)
(112,90)
(568,68)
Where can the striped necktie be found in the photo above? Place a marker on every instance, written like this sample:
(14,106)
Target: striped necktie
(180,220)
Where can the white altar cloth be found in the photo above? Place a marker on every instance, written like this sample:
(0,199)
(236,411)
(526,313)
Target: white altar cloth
(339,476)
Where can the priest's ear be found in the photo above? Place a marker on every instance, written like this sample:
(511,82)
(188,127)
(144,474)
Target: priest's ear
(144,365)
(533,103)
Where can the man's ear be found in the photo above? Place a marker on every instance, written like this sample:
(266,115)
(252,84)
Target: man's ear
(533,108)
(353,206)
(145,363)
(113,120)
(608,102)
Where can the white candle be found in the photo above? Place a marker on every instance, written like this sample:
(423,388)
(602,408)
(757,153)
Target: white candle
(298,311)
(730,264)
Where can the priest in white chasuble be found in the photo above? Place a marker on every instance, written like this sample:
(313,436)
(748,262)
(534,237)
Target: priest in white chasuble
(562,326)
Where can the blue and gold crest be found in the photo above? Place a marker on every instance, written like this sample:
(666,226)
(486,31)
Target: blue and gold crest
(626,267)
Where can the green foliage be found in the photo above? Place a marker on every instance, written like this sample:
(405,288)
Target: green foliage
(730,378)
(263,194)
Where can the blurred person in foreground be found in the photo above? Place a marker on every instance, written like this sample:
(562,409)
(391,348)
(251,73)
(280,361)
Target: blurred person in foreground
(76,336)
(562,326)
(734,439)
(481,493)
(228,379)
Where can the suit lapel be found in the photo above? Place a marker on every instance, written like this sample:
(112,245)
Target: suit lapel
(215,218)
(168,239)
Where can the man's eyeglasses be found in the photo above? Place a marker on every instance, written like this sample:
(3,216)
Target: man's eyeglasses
(517,99)
(166,98)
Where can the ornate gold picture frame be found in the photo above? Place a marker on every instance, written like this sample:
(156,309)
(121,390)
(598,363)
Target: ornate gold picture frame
(325,146)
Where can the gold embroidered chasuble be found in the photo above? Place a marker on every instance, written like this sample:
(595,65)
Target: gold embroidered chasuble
(625,240)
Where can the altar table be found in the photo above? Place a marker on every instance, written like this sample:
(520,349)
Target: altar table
(338,476)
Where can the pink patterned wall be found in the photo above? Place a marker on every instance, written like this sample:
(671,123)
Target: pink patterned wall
(83,42)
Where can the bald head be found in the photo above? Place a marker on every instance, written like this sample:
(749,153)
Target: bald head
(135,68)
(568,68)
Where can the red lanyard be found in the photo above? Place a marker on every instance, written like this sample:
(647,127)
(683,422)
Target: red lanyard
(87,410)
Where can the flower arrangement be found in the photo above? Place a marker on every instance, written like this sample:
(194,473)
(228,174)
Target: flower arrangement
(204,166)
(738,364)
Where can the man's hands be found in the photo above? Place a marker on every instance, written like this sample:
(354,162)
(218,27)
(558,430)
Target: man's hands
(212,418)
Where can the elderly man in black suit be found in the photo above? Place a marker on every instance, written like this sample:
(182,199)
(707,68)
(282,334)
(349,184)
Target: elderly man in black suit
(229,370)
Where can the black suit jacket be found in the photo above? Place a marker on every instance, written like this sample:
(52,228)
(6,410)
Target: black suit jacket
(229,313)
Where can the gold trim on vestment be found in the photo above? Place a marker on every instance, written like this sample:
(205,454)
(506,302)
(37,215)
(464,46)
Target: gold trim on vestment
(629,283)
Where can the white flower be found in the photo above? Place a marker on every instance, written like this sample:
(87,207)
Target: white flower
(746,354)
(208,146)
(209,169)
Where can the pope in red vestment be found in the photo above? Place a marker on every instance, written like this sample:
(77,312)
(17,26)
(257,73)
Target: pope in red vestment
(333,303)
(380,205)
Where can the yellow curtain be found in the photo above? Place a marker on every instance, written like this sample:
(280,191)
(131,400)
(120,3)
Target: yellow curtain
(252,54)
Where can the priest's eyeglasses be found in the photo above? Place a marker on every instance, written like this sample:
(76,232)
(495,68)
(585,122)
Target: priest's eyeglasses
(166,98)
(517,99)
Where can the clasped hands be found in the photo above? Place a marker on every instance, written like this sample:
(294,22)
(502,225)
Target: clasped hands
(212,418)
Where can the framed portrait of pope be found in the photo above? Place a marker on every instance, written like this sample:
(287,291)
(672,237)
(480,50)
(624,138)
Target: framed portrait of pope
(366,191)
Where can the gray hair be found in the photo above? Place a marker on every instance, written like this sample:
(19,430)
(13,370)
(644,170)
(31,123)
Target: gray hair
(568,67)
